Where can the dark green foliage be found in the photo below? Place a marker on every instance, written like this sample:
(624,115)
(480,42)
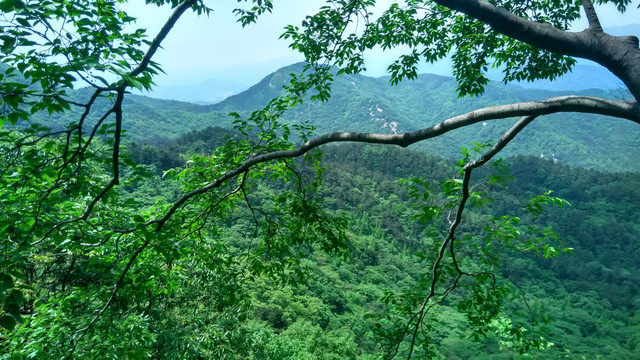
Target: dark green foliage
(243,251)
(538,278)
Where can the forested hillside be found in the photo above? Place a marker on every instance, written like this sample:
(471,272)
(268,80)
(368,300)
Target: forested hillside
(320,214)
(361,103)
(584,304)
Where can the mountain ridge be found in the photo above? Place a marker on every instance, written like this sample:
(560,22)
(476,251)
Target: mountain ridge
(365,104)
(361,103)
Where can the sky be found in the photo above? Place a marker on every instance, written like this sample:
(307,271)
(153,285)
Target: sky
(201,48)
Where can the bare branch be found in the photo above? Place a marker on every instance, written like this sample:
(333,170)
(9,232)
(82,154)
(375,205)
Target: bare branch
(504,140)
(116,139)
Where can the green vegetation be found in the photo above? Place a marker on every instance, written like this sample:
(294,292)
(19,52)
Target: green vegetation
(584,303)
(360,103)
(250,243)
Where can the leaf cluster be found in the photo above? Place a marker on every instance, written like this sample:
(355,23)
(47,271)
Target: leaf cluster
(340,33)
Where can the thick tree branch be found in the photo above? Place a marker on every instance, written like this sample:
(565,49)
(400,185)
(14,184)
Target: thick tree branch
(619,54)
(541,35)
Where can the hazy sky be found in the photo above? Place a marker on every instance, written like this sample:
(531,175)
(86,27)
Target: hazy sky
(200,48)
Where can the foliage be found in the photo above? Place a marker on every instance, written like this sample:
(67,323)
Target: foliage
(102,259)
(431,32)
(389,254)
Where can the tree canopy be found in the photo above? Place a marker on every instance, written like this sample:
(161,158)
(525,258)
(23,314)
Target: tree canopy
(87,256)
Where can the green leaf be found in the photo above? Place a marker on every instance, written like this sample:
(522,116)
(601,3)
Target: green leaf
(8,322)
(6,282)
(135,83)
(10,5)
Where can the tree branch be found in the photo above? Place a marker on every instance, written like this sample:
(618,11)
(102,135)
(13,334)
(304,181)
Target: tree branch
(449,240)
(592,16)
(117,286)
(627,109)
(117,109)
(619,54)
(162,34)
(142,66)
(504,140)
(541,35)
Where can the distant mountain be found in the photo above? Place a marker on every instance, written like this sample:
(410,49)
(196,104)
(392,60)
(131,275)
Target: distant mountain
(631,29)
(219,83)
(581,77)
(233,80)
(366,104)
(258,95)
(207,92)
(361,103)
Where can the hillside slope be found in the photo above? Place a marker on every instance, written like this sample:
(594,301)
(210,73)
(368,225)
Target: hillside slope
(586,302)
(361,103)
(366,104)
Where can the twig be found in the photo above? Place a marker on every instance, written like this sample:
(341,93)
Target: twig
(449,240)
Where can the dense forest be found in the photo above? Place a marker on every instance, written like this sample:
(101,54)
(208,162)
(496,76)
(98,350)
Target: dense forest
(581,304)
(584,303)
(320,214)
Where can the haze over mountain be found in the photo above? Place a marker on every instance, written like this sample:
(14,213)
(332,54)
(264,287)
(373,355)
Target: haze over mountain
(214,90)
(207,92)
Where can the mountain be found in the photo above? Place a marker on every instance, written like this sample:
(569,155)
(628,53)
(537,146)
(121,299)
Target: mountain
(231,81)
(625,30)
(361,103)
(366,104)
(581,77)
